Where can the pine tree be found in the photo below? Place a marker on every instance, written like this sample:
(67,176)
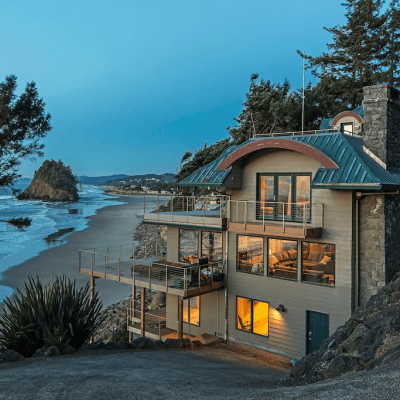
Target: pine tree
(391,57)
(352,60)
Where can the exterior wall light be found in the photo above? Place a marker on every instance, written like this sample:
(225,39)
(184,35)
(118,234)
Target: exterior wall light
(281,308)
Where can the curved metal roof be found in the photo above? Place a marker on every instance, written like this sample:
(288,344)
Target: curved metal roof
(356,169)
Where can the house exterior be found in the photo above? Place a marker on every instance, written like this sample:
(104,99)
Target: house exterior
(306,232)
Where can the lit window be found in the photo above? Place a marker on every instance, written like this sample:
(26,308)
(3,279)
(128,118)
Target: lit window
(194,310)
(282,258)
(250,254)
(318,263)
(252,316)
(211,245)
(188,245)
(285,196)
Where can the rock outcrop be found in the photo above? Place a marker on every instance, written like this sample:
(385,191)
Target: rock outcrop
(152,239)
(370,338)
(40,190)
(53,181)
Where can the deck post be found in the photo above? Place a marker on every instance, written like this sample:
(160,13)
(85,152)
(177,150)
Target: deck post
(142,312)
(263,206)
(188,301)
(158,207)
(92,287)
(180,317)
(119,269)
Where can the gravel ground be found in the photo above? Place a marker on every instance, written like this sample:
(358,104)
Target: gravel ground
(176,375)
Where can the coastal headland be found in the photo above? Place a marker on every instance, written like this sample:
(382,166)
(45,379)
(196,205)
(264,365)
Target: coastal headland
(112,225)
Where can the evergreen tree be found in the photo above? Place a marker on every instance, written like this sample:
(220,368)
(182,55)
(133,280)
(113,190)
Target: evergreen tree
(352,60)
(23,123)
(391,56)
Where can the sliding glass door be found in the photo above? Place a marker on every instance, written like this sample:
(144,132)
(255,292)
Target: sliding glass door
(283,196)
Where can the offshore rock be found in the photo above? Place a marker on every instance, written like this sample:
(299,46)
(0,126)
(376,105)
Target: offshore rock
(39,190)
(53,181)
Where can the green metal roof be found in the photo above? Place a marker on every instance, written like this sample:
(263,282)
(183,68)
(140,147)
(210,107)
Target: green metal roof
(356,168)
(327,122)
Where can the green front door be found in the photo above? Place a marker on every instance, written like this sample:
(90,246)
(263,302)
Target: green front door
(317,330)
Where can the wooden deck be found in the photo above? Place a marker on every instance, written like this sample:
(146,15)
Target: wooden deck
(165,279)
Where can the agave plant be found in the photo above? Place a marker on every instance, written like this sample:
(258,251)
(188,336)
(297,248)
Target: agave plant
(57,313)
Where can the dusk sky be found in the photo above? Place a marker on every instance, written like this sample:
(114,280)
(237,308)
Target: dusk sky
(131,85)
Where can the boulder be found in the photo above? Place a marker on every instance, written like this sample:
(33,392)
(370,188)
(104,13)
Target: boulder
(47,351)
(10,356)
(370,338)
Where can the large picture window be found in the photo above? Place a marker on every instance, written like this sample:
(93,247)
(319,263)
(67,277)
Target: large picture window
(194,304)
(282,258)
(318,263)
(250,256)
(252,315)
(188,245)
(284,196)
(211,246)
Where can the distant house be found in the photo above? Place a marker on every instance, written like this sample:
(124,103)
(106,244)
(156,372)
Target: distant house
(307,231)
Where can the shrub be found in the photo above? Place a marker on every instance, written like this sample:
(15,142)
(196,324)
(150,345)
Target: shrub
(56,313)
(121,335)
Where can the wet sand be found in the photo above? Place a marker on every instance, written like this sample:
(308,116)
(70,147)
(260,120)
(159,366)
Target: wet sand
(111,225)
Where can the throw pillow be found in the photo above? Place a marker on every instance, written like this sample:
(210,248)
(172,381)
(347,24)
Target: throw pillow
(292,255)
(325,260)
(314,257)
(285,256)
(274,260)
(279,256)
(305,255)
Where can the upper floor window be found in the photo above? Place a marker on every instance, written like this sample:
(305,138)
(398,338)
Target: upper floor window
(282,258)
(284,196)
(188,245)
(347,127)
(318,263)
(250,254)
(211,245)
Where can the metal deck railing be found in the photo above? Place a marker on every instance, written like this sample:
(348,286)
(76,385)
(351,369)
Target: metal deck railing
(204,210)
(278,213)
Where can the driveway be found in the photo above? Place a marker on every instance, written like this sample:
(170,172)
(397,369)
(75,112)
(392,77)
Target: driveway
(135,375)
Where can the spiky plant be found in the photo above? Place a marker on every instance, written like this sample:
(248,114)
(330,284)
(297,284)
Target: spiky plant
(58,312)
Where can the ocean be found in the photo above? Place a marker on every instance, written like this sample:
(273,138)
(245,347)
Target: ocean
(51,224)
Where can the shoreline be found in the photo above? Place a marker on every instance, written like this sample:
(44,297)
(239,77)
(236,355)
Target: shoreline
(111,225)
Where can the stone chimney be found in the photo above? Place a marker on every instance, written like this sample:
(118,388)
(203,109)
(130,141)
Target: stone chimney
(382,124)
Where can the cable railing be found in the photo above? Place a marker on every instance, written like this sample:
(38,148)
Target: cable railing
(118,263)
(278,213)
(295,133)
(205,210)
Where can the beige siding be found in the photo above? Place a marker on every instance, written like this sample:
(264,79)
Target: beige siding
(208,302)
(209,305)
(287,330)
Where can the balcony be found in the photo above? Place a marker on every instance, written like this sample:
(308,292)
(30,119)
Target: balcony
(295,220)
(117,263)
(205,211)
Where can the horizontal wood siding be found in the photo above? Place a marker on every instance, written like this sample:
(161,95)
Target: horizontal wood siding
(208,314)
(287,330)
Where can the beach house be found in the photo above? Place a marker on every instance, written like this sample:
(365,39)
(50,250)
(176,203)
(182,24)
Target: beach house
(305,231)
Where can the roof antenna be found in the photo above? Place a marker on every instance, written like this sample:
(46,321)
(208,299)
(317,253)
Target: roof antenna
(304,81)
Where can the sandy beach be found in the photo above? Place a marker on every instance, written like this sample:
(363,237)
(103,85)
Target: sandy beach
(111,225)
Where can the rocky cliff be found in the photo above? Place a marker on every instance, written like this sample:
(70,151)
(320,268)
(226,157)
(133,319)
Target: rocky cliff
(53,181)
(369,339)
(39,190)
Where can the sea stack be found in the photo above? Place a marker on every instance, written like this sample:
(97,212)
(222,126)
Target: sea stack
(53,181)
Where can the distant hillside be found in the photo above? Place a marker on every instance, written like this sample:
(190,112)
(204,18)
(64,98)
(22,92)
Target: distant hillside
(148,180)
(98,180)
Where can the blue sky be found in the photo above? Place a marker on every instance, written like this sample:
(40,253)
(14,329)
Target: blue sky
(131,85)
